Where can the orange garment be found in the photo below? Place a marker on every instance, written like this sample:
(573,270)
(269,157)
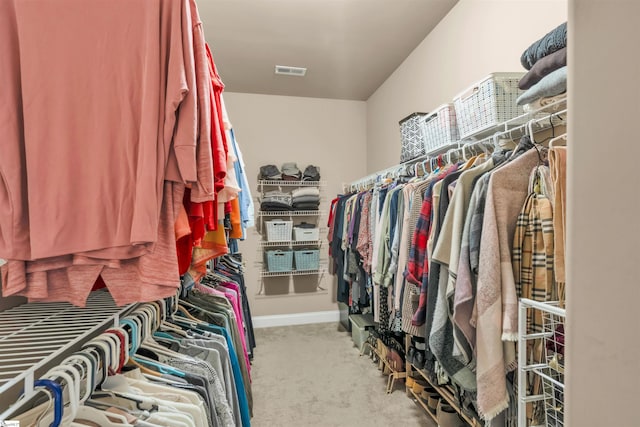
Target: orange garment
(236,222)
(213,245)
(218,142)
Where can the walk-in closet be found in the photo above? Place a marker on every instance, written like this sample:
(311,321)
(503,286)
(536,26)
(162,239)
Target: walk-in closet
(291,213)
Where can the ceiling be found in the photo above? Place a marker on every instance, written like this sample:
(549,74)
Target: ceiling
(350,47)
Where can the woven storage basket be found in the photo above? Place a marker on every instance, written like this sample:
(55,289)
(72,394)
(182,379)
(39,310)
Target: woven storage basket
(279,230)
(279,261)
(305,234)
(488,103)
(440,128)
(412,136)
(308,259)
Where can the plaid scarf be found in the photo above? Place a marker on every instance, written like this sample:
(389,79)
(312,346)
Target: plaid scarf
(533,268)
(533,247)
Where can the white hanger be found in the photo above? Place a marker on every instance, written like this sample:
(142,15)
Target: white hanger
(530,128)
(557,139)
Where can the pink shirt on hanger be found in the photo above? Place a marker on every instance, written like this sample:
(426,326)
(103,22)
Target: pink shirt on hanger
(99,120)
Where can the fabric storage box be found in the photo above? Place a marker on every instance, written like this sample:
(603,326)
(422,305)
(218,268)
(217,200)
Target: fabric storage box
(440,128)
(412,136)
(279,230)
(307,259)
(279,261)
(344,316)
(306,234)
(488,103)
(360,326)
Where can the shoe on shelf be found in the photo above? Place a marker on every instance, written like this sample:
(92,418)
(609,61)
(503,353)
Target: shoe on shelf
(410,355)
(448,417)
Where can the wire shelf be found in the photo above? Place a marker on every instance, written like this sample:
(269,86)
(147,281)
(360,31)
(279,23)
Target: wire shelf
(33,335)
(282,183)
(290,213)
(320,270)
(292,243)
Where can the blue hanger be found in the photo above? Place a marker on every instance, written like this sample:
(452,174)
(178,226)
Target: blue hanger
(164,369)
(56,389)
(134,335)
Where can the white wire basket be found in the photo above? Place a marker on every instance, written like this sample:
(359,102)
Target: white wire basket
(306,234)
(412,135)
(541,350)
(279,230)
(488,103)
(440,128)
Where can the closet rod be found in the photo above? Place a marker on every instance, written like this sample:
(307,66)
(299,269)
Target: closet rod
(402,167)
(542,123)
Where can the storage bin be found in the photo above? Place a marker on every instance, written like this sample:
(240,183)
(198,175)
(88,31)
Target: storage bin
(412,136)
(488,103)
(306,234)
(279,261)
(440,128)
(308,259)
(360,326)
(279,230)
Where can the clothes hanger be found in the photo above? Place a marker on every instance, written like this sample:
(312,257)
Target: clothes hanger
(58,404)
(561,138)
(72,378)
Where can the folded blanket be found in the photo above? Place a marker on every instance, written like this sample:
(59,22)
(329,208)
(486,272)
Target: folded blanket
(306,199)
(306,206)
(539,104)
(307,191)
(543,67)
(275,206)
(551,85)
(551,42)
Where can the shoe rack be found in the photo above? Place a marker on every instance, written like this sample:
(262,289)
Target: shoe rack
(446,392)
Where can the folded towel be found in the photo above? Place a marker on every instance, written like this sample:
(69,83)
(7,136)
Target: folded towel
(551,42)
(551,85)
(543,67)
(310,191)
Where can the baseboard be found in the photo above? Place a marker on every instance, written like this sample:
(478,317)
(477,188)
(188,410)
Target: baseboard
(296,319)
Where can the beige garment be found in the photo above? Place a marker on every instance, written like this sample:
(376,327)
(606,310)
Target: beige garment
(184,401)
(435,205)
(496,300)
(403,247)
(558,166)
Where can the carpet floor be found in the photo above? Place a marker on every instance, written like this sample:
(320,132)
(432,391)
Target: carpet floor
(312,375)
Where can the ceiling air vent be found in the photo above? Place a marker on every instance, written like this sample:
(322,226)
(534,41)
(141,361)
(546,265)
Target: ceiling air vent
(290,71)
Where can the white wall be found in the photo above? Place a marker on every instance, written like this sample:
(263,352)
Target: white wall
(276,129)
(603,286)
(476,38)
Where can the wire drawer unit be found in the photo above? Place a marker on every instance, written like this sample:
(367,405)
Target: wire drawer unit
(541,350)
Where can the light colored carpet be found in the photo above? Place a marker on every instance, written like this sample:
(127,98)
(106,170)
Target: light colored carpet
(312,375)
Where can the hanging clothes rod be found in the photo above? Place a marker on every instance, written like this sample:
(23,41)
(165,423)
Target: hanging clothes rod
(518,124)
(402,169)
